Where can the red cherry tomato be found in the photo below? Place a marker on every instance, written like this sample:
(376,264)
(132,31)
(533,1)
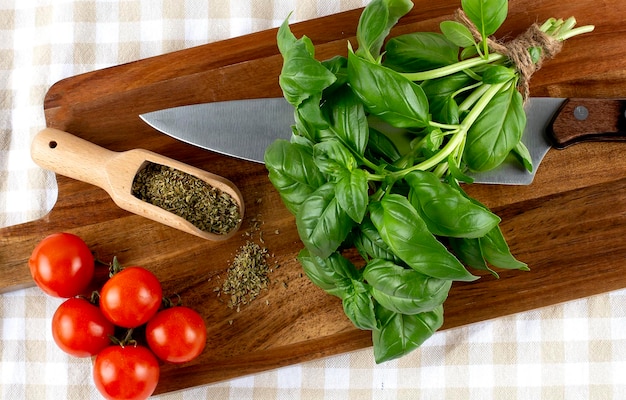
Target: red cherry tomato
(129,372)
(62,265)
(176,334)
(131,297)
(80,329)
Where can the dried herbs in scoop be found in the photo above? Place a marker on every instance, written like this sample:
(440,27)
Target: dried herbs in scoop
(206,207)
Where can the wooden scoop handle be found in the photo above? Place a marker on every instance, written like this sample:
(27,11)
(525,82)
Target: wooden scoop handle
(71,156)
(583,120)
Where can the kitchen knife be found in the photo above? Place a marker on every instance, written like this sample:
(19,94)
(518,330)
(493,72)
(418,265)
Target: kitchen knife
(245,128)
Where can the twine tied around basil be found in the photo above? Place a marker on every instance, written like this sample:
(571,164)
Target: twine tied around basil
(517,50)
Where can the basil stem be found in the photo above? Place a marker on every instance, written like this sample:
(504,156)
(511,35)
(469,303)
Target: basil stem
(454,68)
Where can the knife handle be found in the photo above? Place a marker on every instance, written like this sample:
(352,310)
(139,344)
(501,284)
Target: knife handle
(588,120)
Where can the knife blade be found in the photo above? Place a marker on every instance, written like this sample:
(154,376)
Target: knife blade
(236,128)
(245,128)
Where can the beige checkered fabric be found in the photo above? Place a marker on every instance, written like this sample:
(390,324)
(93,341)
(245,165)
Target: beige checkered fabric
(571,351)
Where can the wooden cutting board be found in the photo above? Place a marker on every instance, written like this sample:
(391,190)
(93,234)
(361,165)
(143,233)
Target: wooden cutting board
(568,225)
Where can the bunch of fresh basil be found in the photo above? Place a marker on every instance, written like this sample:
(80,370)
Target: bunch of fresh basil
(352,182)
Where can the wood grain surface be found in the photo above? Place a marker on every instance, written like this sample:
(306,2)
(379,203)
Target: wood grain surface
(568,225)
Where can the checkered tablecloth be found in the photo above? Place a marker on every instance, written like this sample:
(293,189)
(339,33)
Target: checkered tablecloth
(570,351)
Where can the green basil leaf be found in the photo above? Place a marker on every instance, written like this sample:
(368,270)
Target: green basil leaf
(497,252)
(348,119)
(445,211)
(496,132)
(376,21)
(470,252)
(380,146)
(310,123)
(333,158)
(333,274)
(303,129)
(293,172)
(493,246)
(407,235)
(370,245)
(302,76)
(498,74)
(387,94)
(338,65)
(456,172)
(337,276)
(457,33)
(285,39)
(440,94)
(487,15)
(359,306)
(399,334)
(535,54)
(309,110)
(301,140)
(442,88)
(523,155)
(322,224)
(351,193)
(423,146)
(450,113)
(434,140)
(420,51)
(469,52)
(403,290)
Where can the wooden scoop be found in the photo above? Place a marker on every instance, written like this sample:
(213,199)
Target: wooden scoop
(114,172)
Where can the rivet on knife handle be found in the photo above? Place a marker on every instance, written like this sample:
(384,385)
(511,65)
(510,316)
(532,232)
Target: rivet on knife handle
(583,120)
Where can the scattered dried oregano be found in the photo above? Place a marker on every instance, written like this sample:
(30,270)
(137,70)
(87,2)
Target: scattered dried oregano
(247,275)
